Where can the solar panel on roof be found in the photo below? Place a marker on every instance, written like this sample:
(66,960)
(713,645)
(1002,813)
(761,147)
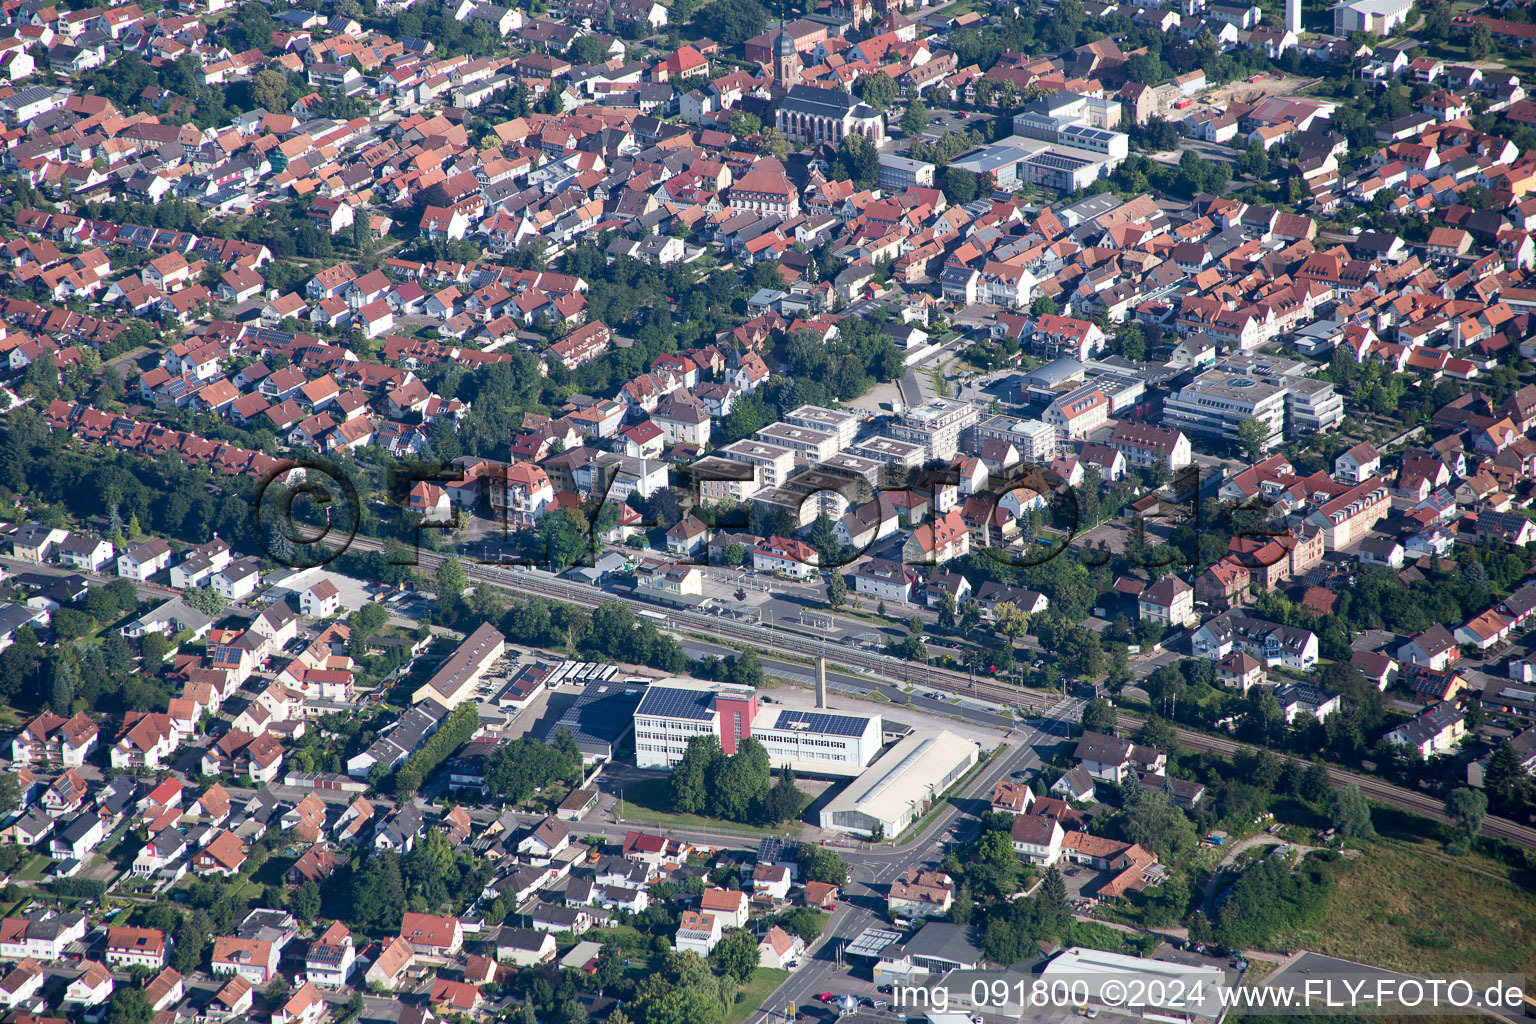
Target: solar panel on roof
(602,713)
(815,721)
(674,702)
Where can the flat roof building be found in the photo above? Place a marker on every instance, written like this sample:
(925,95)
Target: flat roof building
(896,790)
(936,425)
(813,443)
(901,173)
(844,424)
(812,742)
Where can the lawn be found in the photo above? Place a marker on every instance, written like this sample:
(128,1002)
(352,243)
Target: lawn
(34,869)
(750,999)
(646,802)
(1408,906)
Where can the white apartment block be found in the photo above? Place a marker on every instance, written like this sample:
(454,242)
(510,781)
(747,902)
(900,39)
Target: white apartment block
(936,425)
(813,443)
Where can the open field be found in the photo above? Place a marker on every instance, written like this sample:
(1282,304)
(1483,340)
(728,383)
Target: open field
(645,801)
(1406,905)
(764,980)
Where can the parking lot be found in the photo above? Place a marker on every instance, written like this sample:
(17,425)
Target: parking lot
(945,122)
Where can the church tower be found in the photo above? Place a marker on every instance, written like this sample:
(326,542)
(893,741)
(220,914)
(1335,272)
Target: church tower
(786,59)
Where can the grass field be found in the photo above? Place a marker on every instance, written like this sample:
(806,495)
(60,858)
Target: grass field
(764,980)
(34,869)
(1406,905)
(646,801)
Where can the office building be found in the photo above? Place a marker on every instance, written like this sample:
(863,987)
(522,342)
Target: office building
(899,173)
(1273,391)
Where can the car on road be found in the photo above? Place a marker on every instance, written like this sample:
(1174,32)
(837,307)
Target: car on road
(826,997)
(1021,775)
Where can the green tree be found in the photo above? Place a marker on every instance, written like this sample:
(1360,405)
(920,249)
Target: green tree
(154,647)
(451,579)
(204,599)
(959,185)
(735,956)
(731,23)
(587,50)
(784,800)
(857,161)
(682,1005)
(878,89)
(1098,716)
(1466,808)
(1044,305)
(740,781)
(819,864)
(1151,821)
(1055,910)
(269,90)
(1480,43)
(1505,780)
(305,901)
(1315,785)
(733,554)
(1253,439)
(367,621)
(837,589)
(915,119)
(689,782)
(129,1005)
(1350,814)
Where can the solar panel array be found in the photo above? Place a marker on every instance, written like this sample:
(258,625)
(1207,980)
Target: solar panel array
(674,702)
(819,721)
(604,712)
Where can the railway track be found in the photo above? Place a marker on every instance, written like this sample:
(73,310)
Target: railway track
(770,638)
(892,670)
(1376,789)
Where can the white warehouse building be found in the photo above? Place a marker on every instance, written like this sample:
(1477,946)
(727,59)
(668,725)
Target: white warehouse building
(899,788)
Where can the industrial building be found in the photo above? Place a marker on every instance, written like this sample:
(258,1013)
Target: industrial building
(812,742)
(1064,163)
(600,718)
(1178,980)
(898,788)
(1382,17)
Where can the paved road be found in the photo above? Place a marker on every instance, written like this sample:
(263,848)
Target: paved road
(146,591)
